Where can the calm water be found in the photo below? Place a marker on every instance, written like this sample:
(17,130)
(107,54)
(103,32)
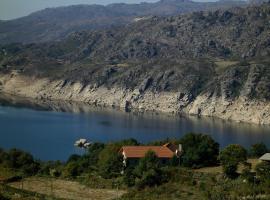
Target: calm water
(50,135)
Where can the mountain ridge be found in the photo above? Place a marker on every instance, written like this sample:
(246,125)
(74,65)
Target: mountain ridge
(55,23)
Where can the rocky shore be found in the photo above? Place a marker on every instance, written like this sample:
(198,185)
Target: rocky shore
(207,104)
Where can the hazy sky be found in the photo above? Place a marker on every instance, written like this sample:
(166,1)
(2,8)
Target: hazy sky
(10,9)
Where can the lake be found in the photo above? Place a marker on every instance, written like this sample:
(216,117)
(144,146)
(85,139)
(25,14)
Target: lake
(49,131)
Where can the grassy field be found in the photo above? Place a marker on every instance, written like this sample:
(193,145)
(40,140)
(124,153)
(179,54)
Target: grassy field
(168,191)
(65,189)
(218,169)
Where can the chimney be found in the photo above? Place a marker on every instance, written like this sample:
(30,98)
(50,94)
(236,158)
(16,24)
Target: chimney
(180,148)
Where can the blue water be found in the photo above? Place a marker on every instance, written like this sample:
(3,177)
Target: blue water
(50,135)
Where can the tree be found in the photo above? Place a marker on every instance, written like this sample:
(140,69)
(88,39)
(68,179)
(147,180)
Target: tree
(74,158)
(18,159)
(148,171)
(110,162)
(93,153)
(199,150)
(258,150)
(129,177)
(71,169)
(230,157)
(3,156)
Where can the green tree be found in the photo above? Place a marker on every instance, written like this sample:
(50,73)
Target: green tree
(74,158)
(148,171)
(72,169)
(93,153)
(199,150)
(129,177)
(4,157)
(230,157)
(258,150)
(110,162)
(21,160)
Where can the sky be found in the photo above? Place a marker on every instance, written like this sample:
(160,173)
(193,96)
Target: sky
(11,9)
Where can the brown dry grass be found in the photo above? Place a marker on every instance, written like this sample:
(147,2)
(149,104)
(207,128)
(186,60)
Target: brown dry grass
(65,189)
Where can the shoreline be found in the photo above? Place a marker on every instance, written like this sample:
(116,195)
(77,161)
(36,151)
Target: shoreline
(173,103)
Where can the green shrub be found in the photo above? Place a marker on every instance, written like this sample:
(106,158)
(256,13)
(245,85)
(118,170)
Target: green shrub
(55,173)
(263,171)
(148,172)
(150,178)
(71,169)
(199,150)
(110,162)
(230,157)
(257,150)
(46,167)
(3,197)
(74,158)
(19,160)
(174,161)
(93,153)
(129,177)
(248,175)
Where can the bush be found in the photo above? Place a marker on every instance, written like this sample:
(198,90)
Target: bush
(55,173)
(150,178)
(71,170)
(46,167)
(19,160)
(3,156)
(230,157)
(129,177)
(247,174)
(3,197)
(199,150)
(93,153)
(74,158)
(149,172)
(110,162)
(263,171)
(257,150)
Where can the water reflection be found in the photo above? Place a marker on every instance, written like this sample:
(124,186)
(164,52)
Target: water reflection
(48,129)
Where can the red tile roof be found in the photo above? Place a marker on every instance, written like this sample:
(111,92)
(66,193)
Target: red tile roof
(140,151)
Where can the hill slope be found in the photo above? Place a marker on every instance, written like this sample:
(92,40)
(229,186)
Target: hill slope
(56,23)
(204,63)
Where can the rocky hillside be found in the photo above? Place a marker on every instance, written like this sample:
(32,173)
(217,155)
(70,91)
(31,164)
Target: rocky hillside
(56,23)
(204,63)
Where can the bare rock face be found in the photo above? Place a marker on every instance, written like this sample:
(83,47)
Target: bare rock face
(145,84)
(238,109)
